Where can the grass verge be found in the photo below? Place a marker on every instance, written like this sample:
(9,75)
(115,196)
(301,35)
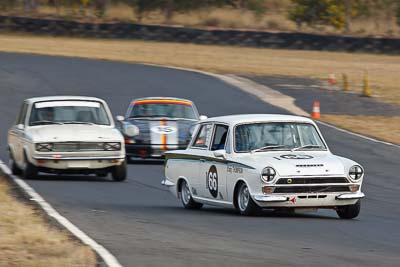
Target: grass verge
(26,239)
(383,128)
(383,69)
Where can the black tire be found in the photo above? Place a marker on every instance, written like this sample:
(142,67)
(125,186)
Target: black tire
(186,197)
(13,165)
(119,173)
(30,171)
(245,204)
(350,211)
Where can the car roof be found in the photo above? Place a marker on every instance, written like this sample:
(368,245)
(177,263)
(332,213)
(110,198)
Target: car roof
(56,98)
(249,118)
(161,98)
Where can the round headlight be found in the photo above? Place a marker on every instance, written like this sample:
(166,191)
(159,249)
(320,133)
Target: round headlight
(268,174)
(356,172)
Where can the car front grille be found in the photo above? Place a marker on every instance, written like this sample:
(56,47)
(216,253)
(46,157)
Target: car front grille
(78,146)
(312,189)
(313,180)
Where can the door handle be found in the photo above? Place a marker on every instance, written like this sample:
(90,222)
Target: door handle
(202,160)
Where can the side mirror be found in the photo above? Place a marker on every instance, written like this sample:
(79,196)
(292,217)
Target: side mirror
(120,118)
(131,130)
(203,117)
(220,153)
(20,127)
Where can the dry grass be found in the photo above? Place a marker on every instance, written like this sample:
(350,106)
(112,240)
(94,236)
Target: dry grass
(383,128)
(26,239)
(383,69)
(275,18)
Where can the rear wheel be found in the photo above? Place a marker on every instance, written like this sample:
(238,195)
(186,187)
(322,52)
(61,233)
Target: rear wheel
(186,197)
(119,172)
(30,171)
(349,211)
(13,165)
(245,203)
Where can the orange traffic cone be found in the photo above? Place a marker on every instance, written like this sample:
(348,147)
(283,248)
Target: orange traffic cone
(315,111)
(332,78)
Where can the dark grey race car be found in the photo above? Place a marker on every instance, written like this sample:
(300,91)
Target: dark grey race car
(154,125)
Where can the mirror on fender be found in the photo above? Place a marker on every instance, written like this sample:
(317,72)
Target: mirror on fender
(203,117)
(20,126)
(221,153)
(120,118)
(131,130)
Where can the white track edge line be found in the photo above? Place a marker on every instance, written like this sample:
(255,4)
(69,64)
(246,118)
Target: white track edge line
(218,76)
(109,259)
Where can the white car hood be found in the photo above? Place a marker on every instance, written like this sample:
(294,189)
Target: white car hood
(74,133)
(288,163)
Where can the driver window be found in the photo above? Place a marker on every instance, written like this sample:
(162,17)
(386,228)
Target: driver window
(203,137)
(219,141)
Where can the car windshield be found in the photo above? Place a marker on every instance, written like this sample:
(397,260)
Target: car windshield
(180,109)
(68,112)
(257,137)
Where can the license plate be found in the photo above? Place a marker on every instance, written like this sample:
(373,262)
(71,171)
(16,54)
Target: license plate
(78,164)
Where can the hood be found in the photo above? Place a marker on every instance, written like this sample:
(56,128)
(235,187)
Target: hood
(288,163)
(74,133)
(147,127)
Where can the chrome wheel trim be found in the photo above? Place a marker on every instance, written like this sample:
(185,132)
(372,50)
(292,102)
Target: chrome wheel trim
(185,193)
(243,198)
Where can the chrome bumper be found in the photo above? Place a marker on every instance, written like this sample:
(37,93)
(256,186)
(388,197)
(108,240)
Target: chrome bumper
(167,183)
(271,198)
(347,196)
(78,158)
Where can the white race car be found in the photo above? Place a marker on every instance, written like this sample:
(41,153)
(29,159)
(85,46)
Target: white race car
(66,134)
(252,162)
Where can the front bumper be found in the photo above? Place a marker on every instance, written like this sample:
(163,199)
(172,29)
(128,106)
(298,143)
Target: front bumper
(307,200)
(143,151)
(68,162)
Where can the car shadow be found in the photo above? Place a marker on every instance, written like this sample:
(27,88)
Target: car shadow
(146,162)
(72,178)
(261,214)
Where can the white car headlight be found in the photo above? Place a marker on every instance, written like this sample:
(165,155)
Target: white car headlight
(112,146)
(44,147)
(356,172)
(268,174)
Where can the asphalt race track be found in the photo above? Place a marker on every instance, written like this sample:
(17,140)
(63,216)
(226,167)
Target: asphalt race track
(144,225)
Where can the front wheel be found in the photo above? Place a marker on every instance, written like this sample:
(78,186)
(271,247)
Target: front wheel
(30,171)
(15,170)
(186,197)
(245,203)
(119,172)
(349,211)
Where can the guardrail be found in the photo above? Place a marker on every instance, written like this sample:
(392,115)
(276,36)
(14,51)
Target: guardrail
(302,41)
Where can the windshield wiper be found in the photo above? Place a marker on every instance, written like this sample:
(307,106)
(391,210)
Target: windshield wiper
(46,122)
(266,147)
(78,122)
(305,146)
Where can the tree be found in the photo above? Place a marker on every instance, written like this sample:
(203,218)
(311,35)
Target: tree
(337,13)
(30,5)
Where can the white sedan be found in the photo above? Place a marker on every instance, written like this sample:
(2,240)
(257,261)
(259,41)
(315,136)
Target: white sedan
(66,134)
(251,162)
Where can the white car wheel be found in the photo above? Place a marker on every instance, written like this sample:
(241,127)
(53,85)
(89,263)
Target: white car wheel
(186,197)
(245,203)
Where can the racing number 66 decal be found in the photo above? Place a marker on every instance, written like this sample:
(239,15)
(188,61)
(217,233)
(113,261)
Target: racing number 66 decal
(212,181)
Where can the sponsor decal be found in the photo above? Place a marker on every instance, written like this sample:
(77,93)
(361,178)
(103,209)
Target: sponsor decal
(234,169)
(296,156)
(212,181)
(293,200)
